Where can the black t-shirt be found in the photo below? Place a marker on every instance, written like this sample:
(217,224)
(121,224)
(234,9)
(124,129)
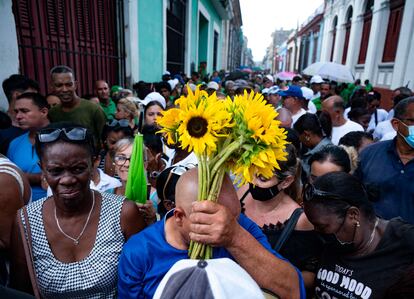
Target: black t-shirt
(368,276)
(302,248)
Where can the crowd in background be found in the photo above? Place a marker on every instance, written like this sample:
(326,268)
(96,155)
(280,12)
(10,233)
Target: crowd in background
(337,217)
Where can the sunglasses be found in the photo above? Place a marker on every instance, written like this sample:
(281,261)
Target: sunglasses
(310,193)
(121,123)
(73,134)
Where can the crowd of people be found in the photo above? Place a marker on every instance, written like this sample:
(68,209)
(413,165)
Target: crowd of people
(336,220)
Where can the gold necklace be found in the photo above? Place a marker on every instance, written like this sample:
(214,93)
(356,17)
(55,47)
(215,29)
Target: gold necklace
(76,240)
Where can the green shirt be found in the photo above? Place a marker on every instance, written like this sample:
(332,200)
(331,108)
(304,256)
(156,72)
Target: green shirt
(318,103)
(87,114)
(109,110)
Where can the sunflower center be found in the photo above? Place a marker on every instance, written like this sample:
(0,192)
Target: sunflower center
(197,127)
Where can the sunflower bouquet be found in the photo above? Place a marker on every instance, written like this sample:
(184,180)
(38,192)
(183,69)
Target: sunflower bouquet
(241,136)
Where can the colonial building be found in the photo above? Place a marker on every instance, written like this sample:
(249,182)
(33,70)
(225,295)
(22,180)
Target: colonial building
(310,39)
(375,38)
(121,41)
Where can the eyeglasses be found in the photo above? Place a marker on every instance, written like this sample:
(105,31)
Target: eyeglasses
(121,160)
(74,134)
(311,193)
(403,120)
(121,123)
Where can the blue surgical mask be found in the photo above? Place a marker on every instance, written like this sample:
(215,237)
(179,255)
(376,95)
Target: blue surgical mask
(410,138)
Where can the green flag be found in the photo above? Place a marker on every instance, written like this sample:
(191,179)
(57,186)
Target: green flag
(136,187)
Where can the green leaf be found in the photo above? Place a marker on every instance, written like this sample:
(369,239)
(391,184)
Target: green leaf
(136,187)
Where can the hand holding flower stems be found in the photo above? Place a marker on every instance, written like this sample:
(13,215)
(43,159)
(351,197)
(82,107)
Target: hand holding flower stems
(241,136)
(148,211)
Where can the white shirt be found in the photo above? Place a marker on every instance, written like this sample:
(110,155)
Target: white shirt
(349,126)
(389,136)
(316,95)
(391,114)
(298,114)
(312,107)
(382,129)
(381,116)
(346,111)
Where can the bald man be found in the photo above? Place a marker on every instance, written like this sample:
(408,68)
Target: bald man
(285,117)
(148,256)
(334,106)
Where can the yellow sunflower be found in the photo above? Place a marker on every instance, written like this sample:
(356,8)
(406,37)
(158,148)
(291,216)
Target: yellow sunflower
(203,119)
(169,122)
(262,140)
(262,163)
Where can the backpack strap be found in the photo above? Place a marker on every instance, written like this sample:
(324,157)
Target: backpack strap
(287,230)
(26,236)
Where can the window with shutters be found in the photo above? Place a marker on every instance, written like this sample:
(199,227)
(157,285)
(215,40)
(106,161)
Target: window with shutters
(176,11)
(335,23)
(85,35)
(393,30)
(347,33)
(365,32)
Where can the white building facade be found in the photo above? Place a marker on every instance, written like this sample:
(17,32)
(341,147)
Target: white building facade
(375,38)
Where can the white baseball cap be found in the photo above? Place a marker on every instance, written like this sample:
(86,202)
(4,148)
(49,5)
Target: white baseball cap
(270,78)
(274,89)
(316,79)
(154,96)
(173,83)
(307,92)
(213,85)
(216,279)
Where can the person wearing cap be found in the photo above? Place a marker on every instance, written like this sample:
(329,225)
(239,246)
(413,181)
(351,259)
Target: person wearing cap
(214,279)
(186,87)
(175,90)
(102,92)
(258,79)
(315,85)
(148,256)
(293,101)
(212,87)
(308,104)
(115,92)
(268,81)
(273,97)
(153,96)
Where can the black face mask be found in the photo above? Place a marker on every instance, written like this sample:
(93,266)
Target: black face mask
(263,194)
(335,245)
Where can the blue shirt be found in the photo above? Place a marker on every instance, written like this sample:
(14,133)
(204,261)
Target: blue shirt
(381,166)
(23,154)
(147,257)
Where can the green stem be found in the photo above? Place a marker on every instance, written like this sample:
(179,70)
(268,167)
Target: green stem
(216,185)
(200,180)
(227,153)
